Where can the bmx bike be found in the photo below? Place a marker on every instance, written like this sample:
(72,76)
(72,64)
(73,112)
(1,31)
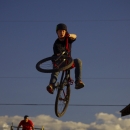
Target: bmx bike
(61,63)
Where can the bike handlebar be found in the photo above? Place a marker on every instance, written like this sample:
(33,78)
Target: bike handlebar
(22,127)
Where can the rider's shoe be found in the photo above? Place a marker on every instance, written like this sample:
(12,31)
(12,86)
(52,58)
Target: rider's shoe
(79,84)
(50,88)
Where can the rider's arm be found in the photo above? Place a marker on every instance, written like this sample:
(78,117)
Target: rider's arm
(73,36)
(31,124)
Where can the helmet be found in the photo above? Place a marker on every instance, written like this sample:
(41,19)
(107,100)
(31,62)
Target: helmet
(61,26)
(26,116)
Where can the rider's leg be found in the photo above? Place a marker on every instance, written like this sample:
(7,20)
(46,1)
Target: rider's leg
(54,76)
(78,71)
(50,87)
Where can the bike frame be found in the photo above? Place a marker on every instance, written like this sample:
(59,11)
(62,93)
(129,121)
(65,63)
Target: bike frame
(66,72)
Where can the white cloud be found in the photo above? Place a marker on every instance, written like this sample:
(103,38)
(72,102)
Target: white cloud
(104,121)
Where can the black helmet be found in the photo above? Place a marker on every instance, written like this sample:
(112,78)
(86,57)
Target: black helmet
(61,26)
(26,116)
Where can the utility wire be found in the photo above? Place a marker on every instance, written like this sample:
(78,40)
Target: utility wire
(91,105)
(89,20)
(24,77)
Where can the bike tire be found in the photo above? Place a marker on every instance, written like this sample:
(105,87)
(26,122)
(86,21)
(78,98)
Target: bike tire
(50,70)
(64,99)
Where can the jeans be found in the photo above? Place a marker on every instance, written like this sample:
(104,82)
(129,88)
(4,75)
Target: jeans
(78,69)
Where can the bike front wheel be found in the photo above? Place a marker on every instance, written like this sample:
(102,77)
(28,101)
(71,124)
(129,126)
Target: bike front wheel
(62,100)
(49,65)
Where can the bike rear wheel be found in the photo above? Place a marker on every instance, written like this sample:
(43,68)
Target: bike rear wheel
(48,65)
(62,100)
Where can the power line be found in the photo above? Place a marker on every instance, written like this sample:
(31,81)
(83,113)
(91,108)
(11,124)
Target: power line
(89,20)
(91,105)
(25,77)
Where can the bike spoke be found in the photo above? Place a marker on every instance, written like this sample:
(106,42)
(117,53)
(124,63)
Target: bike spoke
(62,101)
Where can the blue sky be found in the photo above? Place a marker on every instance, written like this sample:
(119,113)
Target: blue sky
(27,30)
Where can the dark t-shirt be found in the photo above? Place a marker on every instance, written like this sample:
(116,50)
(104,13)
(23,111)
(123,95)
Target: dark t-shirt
(59,46)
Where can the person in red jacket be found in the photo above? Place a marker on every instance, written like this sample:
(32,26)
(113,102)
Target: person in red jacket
(26,124)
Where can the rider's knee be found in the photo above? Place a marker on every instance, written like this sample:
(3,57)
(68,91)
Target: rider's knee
(78,62)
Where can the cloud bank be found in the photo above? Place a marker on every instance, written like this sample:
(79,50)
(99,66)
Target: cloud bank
(103,121)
